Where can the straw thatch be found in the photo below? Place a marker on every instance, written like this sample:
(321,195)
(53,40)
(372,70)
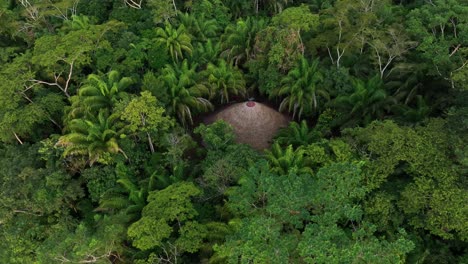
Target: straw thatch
(254,123)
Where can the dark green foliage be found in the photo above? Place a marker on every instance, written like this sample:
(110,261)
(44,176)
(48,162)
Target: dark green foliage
(217,136)
(99,180)
(225,161)
(184,92)
(34,200)
(368,101)
(95,169)
(297,135)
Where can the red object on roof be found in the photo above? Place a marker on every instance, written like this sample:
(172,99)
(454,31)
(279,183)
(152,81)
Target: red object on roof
(250,104)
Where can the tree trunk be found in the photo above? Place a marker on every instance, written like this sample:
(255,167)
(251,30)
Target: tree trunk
(150,142)
(17,138)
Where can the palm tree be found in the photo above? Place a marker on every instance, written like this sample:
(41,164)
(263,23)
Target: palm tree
(301,88)
(176,41)
(412,115)
(92,137)
(206,52)
(281,160)
(297,135)
(77,22)
(128,196)
(200,28)
(184,93)
(369,101)
(98,93)
(238,8)
(277,6)
(225,79)
(238,40)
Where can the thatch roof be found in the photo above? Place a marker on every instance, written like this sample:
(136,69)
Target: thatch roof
(254,123)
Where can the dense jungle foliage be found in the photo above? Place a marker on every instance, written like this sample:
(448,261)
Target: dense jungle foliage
(101,154)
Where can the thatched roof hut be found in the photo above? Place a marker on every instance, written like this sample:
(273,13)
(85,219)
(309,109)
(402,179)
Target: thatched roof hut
(254,123)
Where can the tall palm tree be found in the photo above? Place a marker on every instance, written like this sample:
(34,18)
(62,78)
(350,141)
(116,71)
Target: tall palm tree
(184,92)
(297,134)
(206,52)
(282,160)
(177,41)
(129,196)
(412,115)
(368,101)
(200,28)
(93,137)
(238,40)
(98,93)
(224,79)
(300,88)
(77,22)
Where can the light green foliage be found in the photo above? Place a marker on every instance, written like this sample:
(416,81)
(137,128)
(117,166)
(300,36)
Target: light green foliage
(7,18)
(336,195)
(24,106)
(389,47)
(298,18)
(381,209)
(169,219)
(39,17)
(460,79)
(284,36)
(269,206)
(98,239)
(303,218)
(330,244)
(59,53)
(277,49)
(344,28)
(433,180)
(258,240)
(81,81)
(223,170)
(143,114)
(177,144)
(327,152)
(345,180)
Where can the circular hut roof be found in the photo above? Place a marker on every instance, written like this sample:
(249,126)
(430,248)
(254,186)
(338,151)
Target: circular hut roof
(254,123)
